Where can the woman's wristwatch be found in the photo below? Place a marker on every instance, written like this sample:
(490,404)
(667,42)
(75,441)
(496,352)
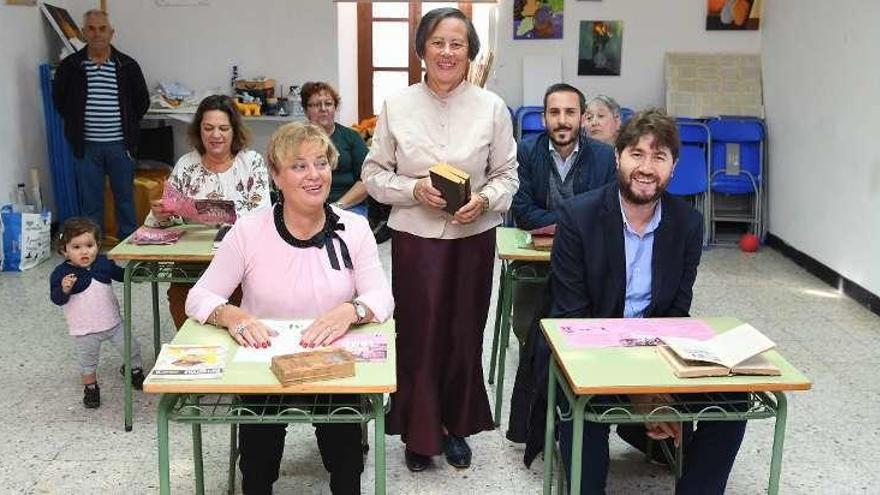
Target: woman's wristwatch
(360,310)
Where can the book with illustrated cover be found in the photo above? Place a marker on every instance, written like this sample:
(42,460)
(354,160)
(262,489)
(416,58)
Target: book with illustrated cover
(215,211)
(735,352)
(454,185)
(189,362)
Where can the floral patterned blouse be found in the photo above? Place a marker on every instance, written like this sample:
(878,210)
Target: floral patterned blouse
(245,183)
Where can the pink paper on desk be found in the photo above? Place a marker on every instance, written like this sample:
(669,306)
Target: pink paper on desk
(371,347)
(630,332)
(152,235)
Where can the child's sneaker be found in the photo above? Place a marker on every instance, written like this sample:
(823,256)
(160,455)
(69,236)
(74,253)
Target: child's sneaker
(137,377)
(92,396)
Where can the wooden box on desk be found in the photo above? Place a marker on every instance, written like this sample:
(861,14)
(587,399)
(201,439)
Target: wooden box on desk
(313,366)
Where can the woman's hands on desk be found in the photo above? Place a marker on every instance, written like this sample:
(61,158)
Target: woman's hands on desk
(244,329)
(330,326)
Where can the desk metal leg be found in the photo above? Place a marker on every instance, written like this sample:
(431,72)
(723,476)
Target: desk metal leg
(577,443)
(154,289)
(126,354)
(165,404)
(233,456)
(778,440)
(499,304)
(506,308)
(379,455)
(549,429)
(198,465)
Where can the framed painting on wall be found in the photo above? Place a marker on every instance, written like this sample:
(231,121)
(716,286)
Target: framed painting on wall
(733,15)
(63,24)
(600,48)
(537,19)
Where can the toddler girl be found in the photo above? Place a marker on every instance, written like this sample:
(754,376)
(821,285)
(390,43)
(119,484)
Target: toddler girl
(81,285)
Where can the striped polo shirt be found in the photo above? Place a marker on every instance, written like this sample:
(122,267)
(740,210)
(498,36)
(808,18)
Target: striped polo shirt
(103,120)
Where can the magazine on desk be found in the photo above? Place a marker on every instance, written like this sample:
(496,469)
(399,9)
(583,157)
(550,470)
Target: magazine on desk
(735,352)
(189,362)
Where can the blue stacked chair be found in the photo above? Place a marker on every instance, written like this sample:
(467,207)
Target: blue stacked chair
(626,113)
(691,177)
(737,168)
(529,121)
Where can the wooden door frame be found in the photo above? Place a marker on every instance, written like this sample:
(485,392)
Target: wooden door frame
(365,66)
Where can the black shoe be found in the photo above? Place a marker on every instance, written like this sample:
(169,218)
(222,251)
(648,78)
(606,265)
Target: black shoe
(416,462)
(458,454)
(92,396)
(137,377)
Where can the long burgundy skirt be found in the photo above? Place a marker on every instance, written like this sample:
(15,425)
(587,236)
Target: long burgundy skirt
(441,291)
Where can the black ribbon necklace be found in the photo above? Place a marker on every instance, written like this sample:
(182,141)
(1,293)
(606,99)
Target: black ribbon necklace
(323,239)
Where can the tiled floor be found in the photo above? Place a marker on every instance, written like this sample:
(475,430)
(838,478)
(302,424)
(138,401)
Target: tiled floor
(50,444)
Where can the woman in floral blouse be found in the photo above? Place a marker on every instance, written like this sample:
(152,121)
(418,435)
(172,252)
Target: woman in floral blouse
(220,167)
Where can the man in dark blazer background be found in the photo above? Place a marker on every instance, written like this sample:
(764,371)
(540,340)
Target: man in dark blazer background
(630,250)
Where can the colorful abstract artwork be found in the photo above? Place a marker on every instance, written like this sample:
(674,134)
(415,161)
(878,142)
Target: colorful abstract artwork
(733,15)
(600,48)
(537,19)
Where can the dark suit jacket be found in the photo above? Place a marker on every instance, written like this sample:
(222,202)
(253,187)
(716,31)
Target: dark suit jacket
(594,167)
(589,262)
(588,276)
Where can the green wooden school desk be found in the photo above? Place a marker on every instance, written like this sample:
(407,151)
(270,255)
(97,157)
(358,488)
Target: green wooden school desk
(225,400)
(512,245)
(583,373)
(183,261)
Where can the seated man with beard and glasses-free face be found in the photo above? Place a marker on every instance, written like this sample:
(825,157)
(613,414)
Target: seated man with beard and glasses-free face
(554,166)
(630,250)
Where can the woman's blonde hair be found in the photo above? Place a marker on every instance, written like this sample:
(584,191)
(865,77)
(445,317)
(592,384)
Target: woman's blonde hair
(287,139)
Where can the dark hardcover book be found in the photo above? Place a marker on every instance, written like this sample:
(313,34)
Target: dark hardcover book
(454,185)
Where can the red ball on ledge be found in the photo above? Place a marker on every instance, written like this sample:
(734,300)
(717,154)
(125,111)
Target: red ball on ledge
(749,243)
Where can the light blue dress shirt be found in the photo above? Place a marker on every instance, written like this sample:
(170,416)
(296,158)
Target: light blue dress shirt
(563,166)
(639,253)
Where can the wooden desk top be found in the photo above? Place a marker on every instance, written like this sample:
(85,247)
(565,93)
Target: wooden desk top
(257,378)
(196,245)
(512,246)
(641,370)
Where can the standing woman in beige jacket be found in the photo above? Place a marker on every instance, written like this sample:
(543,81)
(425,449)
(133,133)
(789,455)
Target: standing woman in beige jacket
(442,264)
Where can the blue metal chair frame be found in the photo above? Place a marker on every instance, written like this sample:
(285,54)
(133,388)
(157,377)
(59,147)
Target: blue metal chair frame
(695,132)
(744,181)
(526,116)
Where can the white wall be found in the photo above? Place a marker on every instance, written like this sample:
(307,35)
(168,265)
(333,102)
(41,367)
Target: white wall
(822,98)
(289,41)
(27,41)
(650,29)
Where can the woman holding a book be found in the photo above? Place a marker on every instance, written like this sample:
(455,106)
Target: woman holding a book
(303,259)
(219,167)
(442,261)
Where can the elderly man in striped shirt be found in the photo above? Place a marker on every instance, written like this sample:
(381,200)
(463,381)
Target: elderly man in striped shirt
(101,94)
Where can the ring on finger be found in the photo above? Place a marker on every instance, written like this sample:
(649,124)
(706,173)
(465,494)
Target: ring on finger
(240,328)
